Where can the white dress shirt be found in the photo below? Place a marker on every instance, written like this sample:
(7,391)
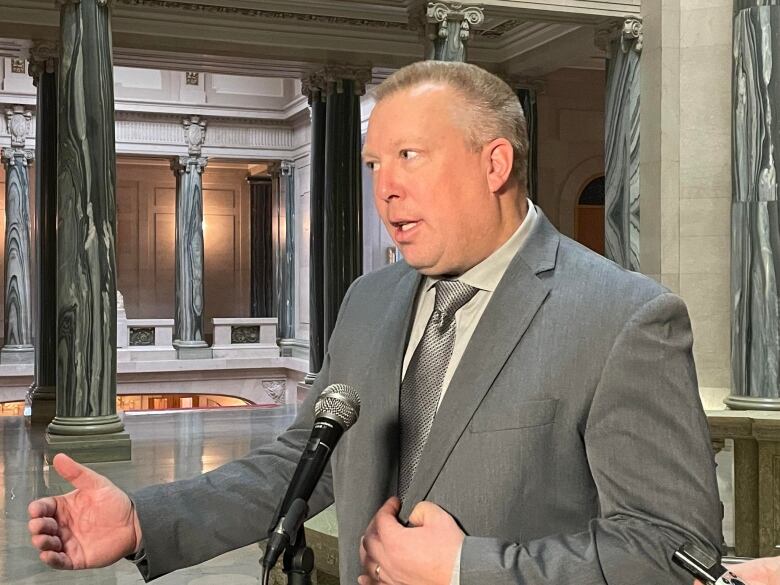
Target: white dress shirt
(485,276)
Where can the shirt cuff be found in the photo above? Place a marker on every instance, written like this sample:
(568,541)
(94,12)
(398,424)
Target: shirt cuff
(455,579)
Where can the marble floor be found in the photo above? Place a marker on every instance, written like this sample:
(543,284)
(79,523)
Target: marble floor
(166,446)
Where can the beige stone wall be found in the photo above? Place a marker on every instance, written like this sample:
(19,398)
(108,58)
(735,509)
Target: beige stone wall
(571,141)
(146,215)
(686,170)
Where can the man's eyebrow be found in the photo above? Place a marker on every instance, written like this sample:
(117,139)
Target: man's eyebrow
(367,154)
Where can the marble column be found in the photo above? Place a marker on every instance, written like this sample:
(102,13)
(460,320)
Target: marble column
(449,28)
(87,425)
(336,182)
(44,59)
(313,88)
(284,244)
(18,337)
(755,219)
(262,247)
(623,45)
(188,325)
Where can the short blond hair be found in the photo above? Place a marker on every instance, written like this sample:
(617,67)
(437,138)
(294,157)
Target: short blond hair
(495,108)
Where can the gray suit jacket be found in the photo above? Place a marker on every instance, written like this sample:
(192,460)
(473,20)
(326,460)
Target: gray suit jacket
(571,445)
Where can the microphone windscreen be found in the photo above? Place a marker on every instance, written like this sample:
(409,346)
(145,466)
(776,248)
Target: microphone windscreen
(339,401)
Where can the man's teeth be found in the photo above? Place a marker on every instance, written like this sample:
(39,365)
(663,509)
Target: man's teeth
(407,226)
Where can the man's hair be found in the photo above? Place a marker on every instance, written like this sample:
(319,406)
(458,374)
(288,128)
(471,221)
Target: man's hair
(494,111)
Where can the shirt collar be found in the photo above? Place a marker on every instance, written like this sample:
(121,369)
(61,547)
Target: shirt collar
(487,274)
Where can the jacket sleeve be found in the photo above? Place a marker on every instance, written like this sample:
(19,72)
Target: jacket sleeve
(187,522)
(651,459)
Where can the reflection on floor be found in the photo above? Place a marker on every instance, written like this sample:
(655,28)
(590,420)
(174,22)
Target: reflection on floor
(166,447)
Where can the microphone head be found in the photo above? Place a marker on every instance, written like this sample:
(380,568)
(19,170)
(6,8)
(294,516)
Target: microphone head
(340,402)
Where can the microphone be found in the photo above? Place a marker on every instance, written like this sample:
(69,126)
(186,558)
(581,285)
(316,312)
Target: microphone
(335,411)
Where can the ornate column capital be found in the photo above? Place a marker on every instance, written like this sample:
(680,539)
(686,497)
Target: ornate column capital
(194,134)
(43,58)
(449,27)
(286,167)
(18,120)
(317,84)
(185,164)
(627,31)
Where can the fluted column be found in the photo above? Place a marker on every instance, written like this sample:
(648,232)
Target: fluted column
(623,45)
(755,218)
(44,59)
(284,252)
(449,29)
(86,425)
(188,325)
(336,197)
(18,337)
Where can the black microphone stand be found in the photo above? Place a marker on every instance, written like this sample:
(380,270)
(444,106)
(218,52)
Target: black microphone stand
(299,561)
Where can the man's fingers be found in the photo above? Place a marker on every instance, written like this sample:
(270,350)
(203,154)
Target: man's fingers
(387,516)
(76,474)
(46,542)
(42,508)
(425,512)
(43,526)
(56,560)
(391,507)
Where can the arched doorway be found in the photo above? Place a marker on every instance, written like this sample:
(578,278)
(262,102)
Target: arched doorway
(589,216)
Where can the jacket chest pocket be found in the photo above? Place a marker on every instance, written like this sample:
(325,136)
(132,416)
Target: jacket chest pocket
(516,415)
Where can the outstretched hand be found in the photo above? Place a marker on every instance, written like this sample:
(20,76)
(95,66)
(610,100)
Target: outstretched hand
(92,526)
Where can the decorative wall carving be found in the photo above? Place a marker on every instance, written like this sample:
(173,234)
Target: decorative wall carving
(245,334)
(17,66)
(18,122)
(276,389)
(192,78)
(194,134)
(267,14)
(141,336)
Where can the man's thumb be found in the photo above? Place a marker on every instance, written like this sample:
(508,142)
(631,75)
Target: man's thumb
(77,475)
(422,513)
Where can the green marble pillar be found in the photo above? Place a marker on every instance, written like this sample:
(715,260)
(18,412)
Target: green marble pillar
(449,28)
(188,325)
(42,397)
(18,339)
(86,426)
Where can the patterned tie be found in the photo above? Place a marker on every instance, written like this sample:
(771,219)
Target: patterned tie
(421,387)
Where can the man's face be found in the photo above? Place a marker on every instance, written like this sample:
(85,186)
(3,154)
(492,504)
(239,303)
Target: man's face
(430,185)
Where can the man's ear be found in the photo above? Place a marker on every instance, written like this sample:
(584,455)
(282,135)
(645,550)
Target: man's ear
(499,157)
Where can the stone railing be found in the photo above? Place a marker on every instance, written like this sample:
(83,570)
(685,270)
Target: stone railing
(149,339)
(245,337)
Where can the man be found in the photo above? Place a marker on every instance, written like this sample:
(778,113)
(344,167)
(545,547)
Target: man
(533,406)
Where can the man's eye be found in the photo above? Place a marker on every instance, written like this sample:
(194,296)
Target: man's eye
(408,154)
(371,165)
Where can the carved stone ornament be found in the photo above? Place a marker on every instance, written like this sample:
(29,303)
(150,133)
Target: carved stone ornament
(18,66)
(194,134)
(276,389)
(330,79)
(628,32)
(192,78)
(286,167)
(142,336)
(43,58)
(185,164)
(451,25)
(18,120)
(631,35)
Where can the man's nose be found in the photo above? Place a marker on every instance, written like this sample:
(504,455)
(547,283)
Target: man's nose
(386,185)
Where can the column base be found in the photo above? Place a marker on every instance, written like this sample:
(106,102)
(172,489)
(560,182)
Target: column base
(43,404)
(88,439)
(752,403)
(193,350)
(22,354)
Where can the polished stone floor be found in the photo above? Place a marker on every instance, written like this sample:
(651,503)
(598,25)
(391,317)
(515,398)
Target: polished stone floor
(166,447)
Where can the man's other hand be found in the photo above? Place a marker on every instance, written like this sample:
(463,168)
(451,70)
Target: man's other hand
(764,571)
(93,526)
(421,555)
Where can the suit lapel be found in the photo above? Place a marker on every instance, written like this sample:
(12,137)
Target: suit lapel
(382,408)
(510,311)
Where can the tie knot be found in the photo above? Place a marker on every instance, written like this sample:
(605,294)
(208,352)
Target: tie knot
(451,295)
